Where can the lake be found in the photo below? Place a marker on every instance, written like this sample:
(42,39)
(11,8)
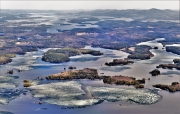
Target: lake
(33,67)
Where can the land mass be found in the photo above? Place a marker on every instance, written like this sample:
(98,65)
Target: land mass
(116,62)
(92,74)
(6,58)
(175,86)
(86,73)
(62,55)
(140,52)
(176,65)
(173,49)
(155,72)
(19,37)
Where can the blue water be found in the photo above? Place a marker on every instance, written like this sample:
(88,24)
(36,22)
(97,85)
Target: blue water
(140,69)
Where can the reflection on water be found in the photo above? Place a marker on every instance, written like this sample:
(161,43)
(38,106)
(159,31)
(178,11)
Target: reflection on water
(114,68)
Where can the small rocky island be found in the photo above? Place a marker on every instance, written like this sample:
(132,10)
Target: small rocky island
(175,86)
(140,52)
(124,80)
(171,66)
(62,55)
(116,62)
(6,58)
(155,72)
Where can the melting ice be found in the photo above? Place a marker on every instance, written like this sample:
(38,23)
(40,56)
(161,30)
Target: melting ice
(8,90)
(66,94)
(140,96)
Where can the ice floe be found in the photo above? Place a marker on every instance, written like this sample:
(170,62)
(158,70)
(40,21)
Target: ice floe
(66,94)
(140,96)
(62,93)
(8,90)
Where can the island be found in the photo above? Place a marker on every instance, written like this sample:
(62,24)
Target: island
(175,86)
(155,72)
(27,83)
(140,52)
(6,58)
(10,72)
(124,80)
(176,65)
(92,74)
(176,61)
(55,58)
(116,62)
(86,73)
(173,49)
(63,54)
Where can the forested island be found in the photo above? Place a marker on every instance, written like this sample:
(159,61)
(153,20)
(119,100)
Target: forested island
(124,80)
(6,58)
(175,86)
(173,49)
(116,62)
(62,55)
(176,65)
(155,72)
(92,74)
(140,52)
(86,73)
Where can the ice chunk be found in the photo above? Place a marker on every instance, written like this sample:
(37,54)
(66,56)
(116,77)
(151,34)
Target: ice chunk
(62,93)
(7,95)
(140,96)
(8,89)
